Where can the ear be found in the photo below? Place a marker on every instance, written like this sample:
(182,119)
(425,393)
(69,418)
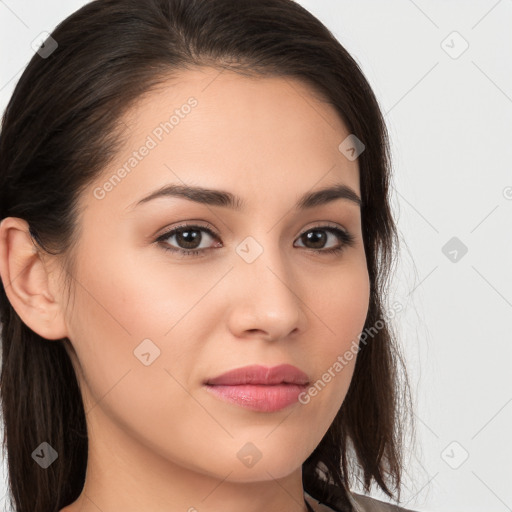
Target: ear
(28,282)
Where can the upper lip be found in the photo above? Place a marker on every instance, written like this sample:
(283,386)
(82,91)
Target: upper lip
(257,374)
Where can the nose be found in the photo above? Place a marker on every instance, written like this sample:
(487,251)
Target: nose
(266,298)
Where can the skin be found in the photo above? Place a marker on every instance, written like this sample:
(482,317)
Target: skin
(157,439)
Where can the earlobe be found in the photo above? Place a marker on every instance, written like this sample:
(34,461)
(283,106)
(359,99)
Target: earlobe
(26,281)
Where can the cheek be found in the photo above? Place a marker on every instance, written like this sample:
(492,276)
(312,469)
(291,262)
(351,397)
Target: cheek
(136,298)
(342,307)
(123,318)
(130,311)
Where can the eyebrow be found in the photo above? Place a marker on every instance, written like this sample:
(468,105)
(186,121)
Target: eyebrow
(215,197)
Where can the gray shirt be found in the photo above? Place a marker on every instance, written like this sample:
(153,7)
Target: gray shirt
(358,503)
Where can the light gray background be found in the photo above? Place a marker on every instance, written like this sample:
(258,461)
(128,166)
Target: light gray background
(450,121)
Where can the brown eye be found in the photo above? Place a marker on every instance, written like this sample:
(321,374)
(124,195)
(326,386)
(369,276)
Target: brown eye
(188,239)
(317,238)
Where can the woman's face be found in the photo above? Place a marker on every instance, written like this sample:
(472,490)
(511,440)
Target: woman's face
(149,325)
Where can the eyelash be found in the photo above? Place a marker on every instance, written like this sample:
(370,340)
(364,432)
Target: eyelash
(346,238)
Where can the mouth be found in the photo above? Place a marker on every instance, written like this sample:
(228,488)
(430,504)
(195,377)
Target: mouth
(259,388)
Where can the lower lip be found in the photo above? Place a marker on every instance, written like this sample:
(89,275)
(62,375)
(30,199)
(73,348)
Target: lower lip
(259,397)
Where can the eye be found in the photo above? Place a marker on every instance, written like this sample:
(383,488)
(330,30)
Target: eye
(188,236)
(317,236)
(189,239)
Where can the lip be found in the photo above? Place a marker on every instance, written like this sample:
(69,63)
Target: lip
(260,388)
(257,374)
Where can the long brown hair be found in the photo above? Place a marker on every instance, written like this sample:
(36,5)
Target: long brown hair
(59,131)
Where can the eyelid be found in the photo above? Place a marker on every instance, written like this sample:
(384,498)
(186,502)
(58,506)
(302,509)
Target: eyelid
(188,224)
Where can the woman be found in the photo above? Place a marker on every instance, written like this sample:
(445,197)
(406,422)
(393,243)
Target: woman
(195,241)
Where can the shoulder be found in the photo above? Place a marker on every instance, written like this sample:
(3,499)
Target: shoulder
(367,504)
(339,501)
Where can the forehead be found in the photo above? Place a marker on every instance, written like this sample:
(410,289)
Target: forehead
(220,129)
